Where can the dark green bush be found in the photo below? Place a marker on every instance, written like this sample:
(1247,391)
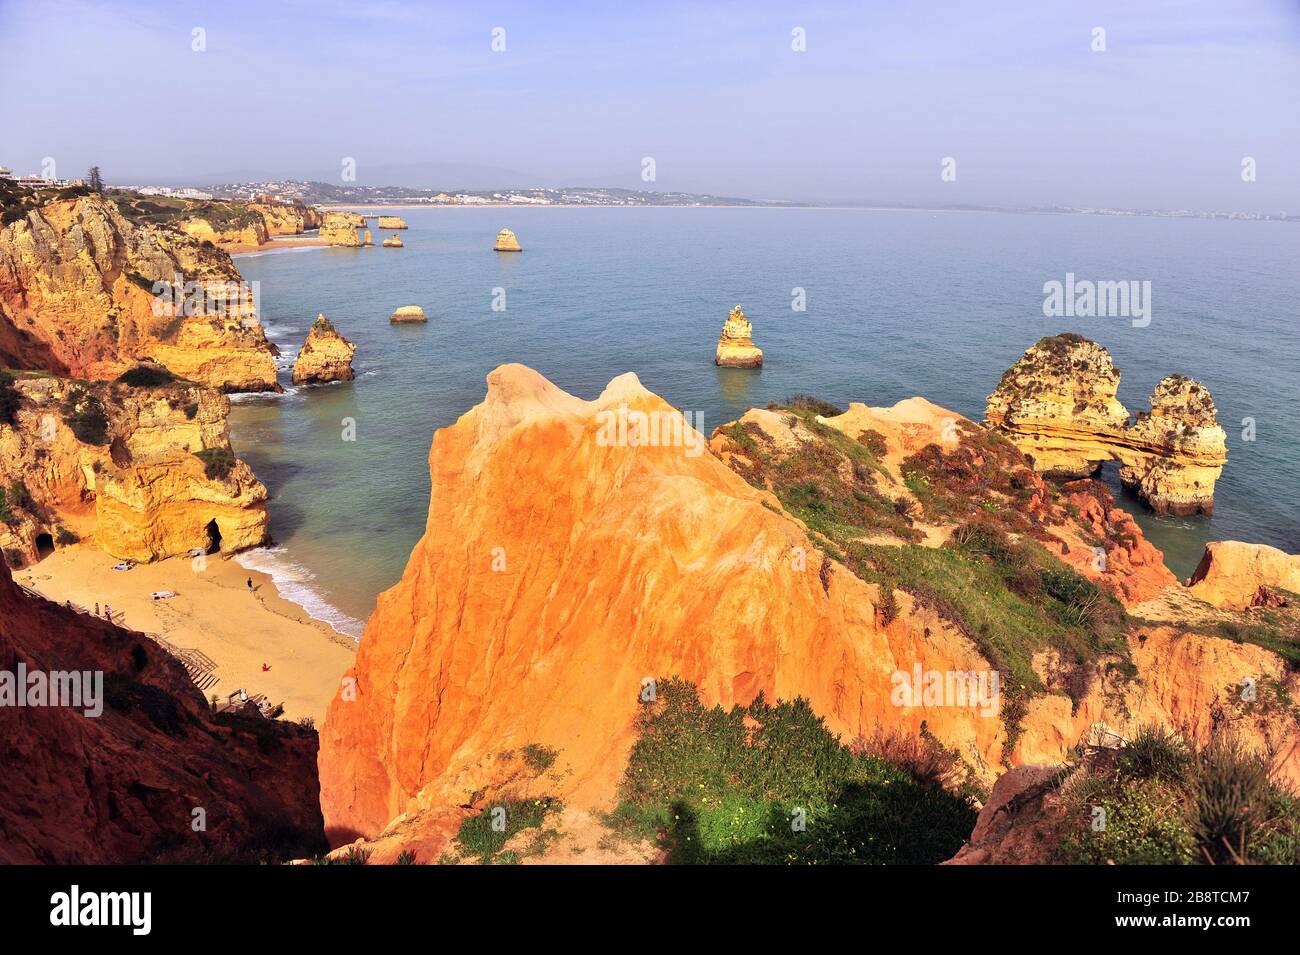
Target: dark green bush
(10,399)
(84,414)
(146,376)
(217,462)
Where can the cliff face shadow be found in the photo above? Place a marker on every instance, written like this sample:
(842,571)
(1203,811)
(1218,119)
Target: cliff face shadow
(867,824)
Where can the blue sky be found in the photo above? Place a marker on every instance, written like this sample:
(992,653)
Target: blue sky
(712,91)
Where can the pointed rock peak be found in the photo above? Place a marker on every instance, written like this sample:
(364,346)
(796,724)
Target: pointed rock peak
(625,387)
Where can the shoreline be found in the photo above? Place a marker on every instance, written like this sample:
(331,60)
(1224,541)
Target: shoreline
(214,612)
(295,242)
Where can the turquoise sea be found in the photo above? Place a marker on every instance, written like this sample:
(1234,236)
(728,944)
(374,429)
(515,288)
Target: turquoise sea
(898,304)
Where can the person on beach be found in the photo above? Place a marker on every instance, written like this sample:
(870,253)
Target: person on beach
(250,585)
(108,613)
(96,608)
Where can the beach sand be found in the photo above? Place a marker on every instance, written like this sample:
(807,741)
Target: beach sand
(283,242)
(213,612)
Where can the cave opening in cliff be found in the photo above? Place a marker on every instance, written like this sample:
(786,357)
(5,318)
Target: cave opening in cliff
(44,546)
(214,536)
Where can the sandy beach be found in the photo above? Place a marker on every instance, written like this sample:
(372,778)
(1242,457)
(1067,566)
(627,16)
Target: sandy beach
(216,613)
(284,242)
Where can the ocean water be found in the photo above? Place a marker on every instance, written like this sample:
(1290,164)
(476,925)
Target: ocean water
(898,304)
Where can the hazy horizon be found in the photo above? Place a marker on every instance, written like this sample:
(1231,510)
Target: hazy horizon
(582,94)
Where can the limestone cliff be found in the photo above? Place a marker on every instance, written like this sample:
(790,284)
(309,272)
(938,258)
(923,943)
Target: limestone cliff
(86,292)
(1058,404)
(576,549)
(392,222)
(340,228)
(246,232)
(283,218)
(123,786)
(143,472)
(736,348)
(326,355)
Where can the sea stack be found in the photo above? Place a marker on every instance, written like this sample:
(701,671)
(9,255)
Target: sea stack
(367,240)
(393,242)
(407,314)
(392,222)
(507,242)
(736,348)
(326,355)
(1058,405)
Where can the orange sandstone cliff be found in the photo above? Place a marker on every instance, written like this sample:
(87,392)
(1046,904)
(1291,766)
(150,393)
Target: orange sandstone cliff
(576,549)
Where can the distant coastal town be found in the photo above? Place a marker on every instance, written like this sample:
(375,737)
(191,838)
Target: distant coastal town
(312,192)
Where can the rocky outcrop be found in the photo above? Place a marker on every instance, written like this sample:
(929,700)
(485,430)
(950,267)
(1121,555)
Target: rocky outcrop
(407,314)
(284,218)
(245,231)
(145,473)
(366,238)
(521,620)
(87,292)
(393,242)
(340,228)
(392,222)
(1237,576)
(128,784)
(326,355)
(736,347)
(1058,404)
(507,242)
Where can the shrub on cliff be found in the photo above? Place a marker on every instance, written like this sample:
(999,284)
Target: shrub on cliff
(768,783)
(1164,800)
(146,376)
(84,414)
(217,462)
(10,399)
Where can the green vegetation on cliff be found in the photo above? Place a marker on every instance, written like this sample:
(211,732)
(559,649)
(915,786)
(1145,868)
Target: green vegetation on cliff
(1163,801)
(768,783)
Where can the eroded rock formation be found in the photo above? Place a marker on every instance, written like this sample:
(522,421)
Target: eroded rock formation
(87,292)
(736,348)
(1236,575)
(123,786)
(1058,404)
(284,218)
(340,228)
(393,242)
(561,567)
(146,473)
(392,222)
(507,242)
(326,355)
